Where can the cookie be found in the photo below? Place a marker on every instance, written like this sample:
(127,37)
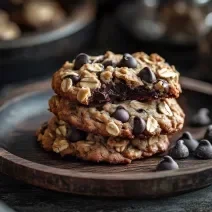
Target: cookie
(127,119)
(113,77)
(59,137)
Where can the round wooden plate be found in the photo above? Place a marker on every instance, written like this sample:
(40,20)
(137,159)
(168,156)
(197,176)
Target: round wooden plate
(22,158)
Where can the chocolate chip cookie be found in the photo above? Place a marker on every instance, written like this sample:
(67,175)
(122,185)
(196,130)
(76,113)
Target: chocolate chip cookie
(113,77)
(127,119)
(59,137)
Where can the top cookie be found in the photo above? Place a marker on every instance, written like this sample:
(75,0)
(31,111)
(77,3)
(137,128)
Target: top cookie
(114,77)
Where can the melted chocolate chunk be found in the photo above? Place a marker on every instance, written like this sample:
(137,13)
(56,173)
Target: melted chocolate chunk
(111,93)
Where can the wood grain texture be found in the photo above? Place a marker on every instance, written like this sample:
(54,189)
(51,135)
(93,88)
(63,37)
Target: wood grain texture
(23,159)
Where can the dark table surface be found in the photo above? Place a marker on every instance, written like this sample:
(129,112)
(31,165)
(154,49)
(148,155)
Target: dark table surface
(27,198)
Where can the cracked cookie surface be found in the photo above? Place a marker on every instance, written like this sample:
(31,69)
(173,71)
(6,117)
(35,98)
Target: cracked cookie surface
(126,119)
(64,139)
(114,77)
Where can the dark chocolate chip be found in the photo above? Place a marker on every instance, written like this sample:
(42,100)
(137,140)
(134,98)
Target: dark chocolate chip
(121,115)
(140,110)
(128,61)
(75,79)
(75,135)
(80,60)
(139,126)
(108,63)
(179,151)
(147,75)
(201,118)
(204,150)
(208,133)
(167,164)
(189,141)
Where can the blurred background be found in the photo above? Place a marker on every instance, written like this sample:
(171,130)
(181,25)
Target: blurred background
(37,36)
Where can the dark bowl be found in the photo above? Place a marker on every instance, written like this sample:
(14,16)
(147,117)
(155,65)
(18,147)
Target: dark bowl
(183,56)
(40,54)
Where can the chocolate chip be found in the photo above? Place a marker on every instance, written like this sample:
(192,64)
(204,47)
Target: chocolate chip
(204,150)
(201,118)
(75,135)
(189,141)
(208,133)
(179,151)
(139,126)
(128,61)
(167,164)
(147,75)
(140,110)
(121,114)
(80,60)
(75,79)
(108,63)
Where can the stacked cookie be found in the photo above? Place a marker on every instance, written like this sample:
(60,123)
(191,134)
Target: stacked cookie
(113,108)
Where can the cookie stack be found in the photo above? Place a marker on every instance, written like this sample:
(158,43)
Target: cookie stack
(113,108)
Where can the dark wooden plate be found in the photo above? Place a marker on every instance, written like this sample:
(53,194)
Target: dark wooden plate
(22,158)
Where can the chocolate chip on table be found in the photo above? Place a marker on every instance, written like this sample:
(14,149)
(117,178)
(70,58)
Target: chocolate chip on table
(201,118)
(147,75)
(167,164)
(179,151)
(189,141)
(139,126)
(121,114)
(208,134)
(128,61)
(75,79)
(80,60)
(108,63)
(204,150)
(75,135)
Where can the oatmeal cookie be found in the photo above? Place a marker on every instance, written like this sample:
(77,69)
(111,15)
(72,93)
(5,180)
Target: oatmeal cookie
(62,138)
(127,119)
(113,77)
